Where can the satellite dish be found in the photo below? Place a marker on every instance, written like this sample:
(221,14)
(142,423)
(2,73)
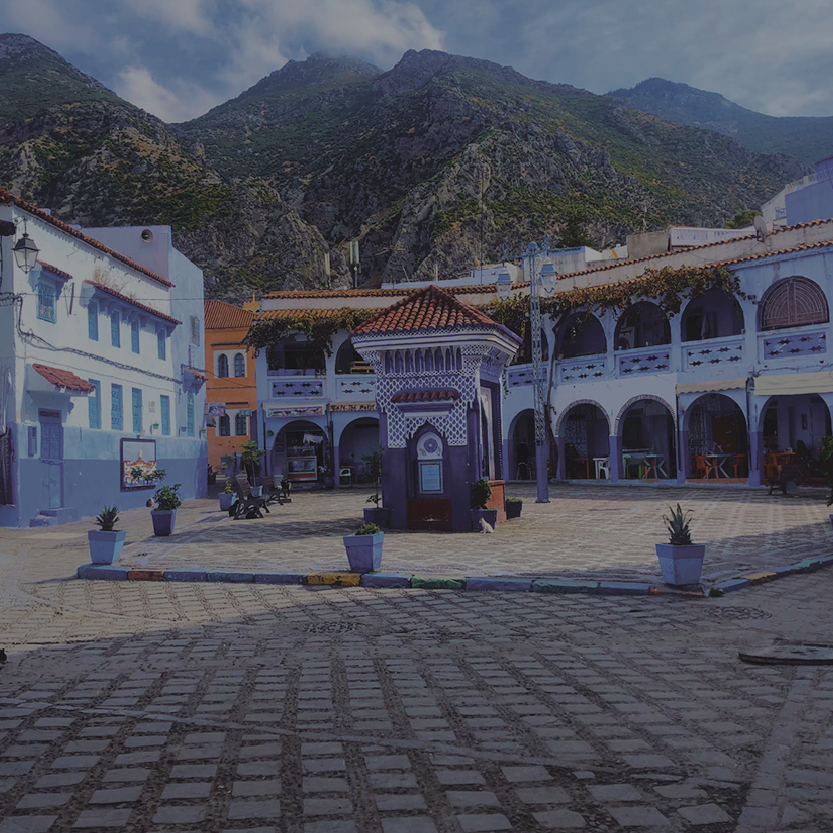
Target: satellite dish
(760,227)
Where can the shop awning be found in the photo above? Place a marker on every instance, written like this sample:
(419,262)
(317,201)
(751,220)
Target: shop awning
(711,386)
(794,383)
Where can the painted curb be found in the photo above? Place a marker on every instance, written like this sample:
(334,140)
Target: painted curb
(335,579)
(543,586)
(231,578)
(623,588)
(280,578)
(438,583)
(104,572)
(518,585)
(185,575)
(385,580)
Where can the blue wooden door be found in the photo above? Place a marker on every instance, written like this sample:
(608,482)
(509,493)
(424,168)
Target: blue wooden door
(51,459)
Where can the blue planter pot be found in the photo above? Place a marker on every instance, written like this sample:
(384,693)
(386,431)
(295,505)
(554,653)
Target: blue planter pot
(226,500)
(364,552)
(106,547)
(681,563)
(164,521)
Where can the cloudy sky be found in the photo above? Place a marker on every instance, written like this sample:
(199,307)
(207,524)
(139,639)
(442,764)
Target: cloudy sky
(179,58)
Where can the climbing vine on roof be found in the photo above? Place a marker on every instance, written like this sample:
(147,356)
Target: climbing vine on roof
(319,327)
(667,287)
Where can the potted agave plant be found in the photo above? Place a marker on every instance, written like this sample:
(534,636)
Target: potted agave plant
(481,492)
(167,501)
(364,548)
(226,497)
(680,560)
(513,507)
(106,543)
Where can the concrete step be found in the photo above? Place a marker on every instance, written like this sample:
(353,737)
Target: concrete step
(52,517)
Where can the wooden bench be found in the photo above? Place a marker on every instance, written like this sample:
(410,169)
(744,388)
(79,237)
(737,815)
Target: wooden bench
(272,492)
(787,474)
(247,505)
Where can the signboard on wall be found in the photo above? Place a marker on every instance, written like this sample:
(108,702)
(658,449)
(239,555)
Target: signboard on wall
(301,410)
(244,412)
(215,409)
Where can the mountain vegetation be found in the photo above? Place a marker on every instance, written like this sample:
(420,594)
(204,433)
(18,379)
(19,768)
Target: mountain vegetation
(807,138)
(441,163)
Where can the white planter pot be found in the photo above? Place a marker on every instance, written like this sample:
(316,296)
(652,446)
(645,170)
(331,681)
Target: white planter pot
(681,563)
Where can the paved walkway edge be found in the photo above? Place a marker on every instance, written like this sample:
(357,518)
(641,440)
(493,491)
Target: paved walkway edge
(716,587)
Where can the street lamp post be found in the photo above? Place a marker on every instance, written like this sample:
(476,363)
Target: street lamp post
(540,280)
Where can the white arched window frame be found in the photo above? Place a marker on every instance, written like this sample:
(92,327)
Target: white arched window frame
(222,366)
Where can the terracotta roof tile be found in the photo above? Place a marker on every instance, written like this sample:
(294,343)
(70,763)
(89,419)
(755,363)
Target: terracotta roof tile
(426,396)
(294,314)
(470,289)
(219,315)
(63,379)
(64,276)
(426,309)
(7,198)
(133,303)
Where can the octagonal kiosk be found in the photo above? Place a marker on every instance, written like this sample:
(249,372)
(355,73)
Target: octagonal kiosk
(438,365)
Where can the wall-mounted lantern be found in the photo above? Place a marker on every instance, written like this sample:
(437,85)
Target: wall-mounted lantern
(26,253)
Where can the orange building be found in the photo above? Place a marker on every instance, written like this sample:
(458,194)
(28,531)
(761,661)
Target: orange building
(231,380)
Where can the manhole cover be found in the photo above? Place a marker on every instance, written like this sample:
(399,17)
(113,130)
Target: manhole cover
(789,655)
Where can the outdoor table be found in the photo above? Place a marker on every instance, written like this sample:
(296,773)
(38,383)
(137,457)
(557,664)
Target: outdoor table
(602,467)
(717,460)
(656,462)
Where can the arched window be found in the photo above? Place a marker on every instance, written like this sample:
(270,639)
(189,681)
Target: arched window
(222,366)
(240,427)
(714,314)
(793,303)
(225,425)
(581,335)
(642,325)
(239,365)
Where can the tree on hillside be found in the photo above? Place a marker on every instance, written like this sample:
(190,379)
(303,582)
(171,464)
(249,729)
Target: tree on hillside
(574,229)
(742,219)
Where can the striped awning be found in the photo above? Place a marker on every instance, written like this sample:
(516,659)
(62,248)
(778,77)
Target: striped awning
(712,385)
(787,384)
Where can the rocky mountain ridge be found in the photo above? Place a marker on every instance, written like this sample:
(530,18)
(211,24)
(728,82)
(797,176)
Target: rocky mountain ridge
(431,165)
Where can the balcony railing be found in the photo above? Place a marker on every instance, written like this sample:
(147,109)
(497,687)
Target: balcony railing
(776,345)
(295,387)
(714,352)
(356,388)
(583,369)
(644,360)
(521,374)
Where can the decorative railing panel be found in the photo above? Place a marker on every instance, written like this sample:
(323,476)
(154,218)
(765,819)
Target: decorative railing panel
(295,387)
(583,369)
(289,371)
(356,388)
(643,360)
(790,346)
(716,352)
(521,374)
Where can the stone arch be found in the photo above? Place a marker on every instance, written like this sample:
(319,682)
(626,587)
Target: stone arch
(563,414)
(633,400)
(643,324)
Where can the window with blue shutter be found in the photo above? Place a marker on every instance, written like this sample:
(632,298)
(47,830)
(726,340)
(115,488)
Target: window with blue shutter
(137,410)
(161,346)
(92,320)
(134,335)
(190,414)
(165,409)
(115,329)
(94,401)
(46,302)
(116,408)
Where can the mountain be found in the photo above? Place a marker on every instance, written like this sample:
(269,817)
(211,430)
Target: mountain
(806,138)
(433,164)
(440,160)
(70,144)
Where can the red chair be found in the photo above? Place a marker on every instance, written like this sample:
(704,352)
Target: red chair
(739,464)
(701,466)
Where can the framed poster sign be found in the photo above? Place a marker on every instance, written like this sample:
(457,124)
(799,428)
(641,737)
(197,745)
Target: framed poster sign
(138,464)
(431,477)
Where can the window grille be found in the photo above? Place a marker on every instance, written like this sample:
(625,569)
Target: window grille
(794,303)
(46,302)
(165,412)
(137,410)
(134,335)
(116,408)
(161,346)
(94,402)
(115,329)
(195,330)
(92,320)
(190,414)
(239,365)
(225,426)
(240,425)
(222,366)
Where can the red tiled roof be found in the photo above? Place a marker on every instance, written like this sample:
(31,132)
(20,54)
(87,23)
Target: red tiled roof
(219,315)
(57,272)
(197,374)
(63,379)
(128,300)
(426,396)
(7,198)
(294,314)
(426,309)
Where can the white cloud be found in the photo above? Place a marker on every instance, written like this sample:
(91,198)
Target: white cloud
(180,102)
(193,17)
(50,22)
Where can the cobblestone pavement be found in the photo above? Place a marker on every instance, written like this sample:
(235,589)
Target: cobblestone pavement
(585,531)
(184,707)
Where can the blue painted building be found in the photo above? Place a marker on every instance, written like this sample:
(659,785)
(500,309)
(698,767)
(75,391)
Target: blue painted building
(98,378)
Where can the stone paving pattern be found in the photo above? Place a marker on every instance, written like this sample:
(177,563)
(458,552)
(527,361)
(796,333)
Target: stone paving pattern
(586,531)
(163,707)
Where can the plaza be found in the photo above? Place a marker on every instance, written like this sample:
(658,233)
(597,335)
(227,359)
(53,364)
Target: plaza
(159,706)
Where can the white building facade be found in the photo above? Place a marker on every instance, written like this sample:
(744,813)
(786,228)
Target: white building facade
(96,379)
